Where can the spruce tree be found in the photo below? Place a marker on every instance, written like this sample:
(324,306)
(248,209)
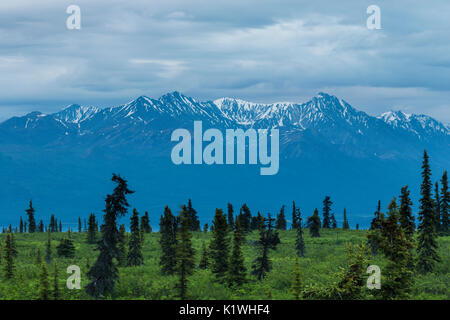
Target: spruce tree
(9,257)
(48,248)
(445,206)
(135,257)
(44,290)
(256,222)
(60,226)
(52,225)
(219,246)
(185,254)
(406,216)
(56,293)
(104,273)
(374,233)
(168,242)
(205,228)
(427,248)
(66,248)
(193,218)
(345,224)
(437,207)
(294,217)
(398,277)
(245,217)
(268,240)
(122,247)
(41,226)
(92,229)
(237,272)
(326,212)
(333,221)
(299,242)
(314,224)
(145,223)
(80,226)
(21,225)
(297,283)
(281,220)
(204,258)
(31,220)
(230,216)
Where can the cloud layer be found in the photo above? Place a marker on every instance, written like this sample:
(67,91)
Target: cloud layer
(260,50)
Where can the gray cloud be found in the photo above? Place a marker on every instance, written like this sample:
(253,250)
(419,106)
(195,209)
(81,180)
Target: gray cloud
(258,50)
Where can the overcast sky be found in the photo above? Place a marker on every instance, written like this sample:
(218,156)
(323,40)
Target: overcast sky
(257,50)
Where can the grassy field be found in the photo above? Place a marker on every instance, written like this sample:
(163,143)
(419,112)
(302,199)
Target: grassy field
(324,258)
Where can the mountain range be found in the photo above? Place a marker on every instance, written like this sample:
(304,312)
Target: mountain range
(64,160)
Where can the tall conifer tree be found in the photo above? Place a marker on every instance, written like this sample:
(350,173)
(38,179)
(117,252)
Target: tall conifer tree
(9,257)
(104,273)
(31,220)
(168,242)
(135,257)
(219,246)
(230,216)
(237,271)
(406,216)
(281,220)
(326,212)
(185,253)
(314,224)
(445,206)
(345,224)
(427,248)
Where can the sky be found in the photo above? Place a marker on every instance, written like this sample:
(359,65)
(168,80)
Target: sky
(256,50)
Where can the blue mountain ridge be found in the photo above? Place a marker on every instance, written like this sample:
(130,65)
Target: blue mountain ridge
(64,160)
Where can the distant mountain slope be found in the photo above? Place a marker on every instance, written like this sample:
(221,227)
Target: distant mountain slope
(326,146)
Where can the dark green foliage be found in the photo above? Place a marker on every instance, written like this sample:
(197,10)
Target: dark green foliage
(437,207)
(237,272)
(427,244)
(135,257)
(333,221)
(122,246)
(204,263)
(268,240)
(92,229)
(219,246)
(60,226)
(299,242)
(48,248)
(104,273)
(256,222)
(375,226)
(193,218)
(31,220)
(245,217)
(406,216)
(9,266)
(80,226)
(53,224)
(445,206)
(397,278)
(345,224)
(205,228)
(21,225)
(281,223)
(326,212)
(145,223)
(168,242)
(294,217)
(66,248)
(44,290)
(314,224)
(56,293)
(297,283)
(185,254)
(41,226)
(230,216)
